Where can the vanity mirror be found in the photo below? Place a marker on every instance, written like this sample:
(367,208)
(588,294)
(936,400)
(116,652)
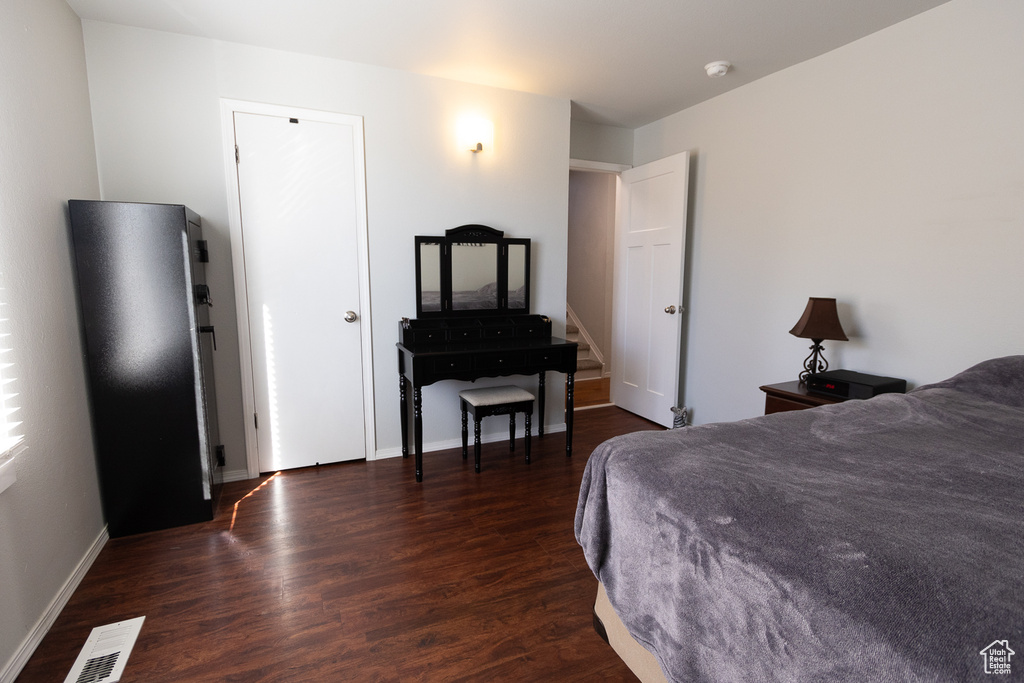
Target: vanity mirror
(472,270)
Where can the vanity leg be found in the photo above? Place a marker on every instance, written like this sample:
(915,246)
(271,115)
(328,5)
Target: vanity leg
(476,444)
(404,418)
(465,434)
(527,438)
(540,403)
(570,382)
(417,418)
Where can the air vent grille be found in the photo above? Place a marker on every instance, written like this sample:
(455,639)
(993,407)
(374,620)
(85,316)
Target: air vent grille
(103,658)
(98,668)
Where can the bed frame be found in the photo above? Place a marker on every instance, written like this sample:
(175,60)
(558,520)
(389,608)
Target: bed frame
(608,625)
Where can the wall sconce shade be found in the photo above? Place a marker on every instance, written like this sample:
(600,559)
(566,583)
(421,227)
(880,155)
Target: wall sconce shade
(820,321)
(475,133)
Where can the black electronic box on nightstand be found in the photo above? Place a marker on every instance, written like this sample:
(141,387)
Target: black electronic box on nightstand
(848,384)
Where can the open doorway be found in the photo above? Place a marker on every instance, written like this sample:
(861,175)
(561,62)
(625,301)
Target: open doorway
(589,280)
(625,274)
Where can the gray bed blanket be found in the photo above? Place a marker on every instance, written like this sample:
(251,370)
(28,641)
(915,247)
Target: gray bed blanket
(878,540)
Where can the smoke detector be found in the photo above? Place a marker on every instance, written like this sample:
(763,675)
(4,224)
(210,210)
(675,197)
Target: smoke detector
(717,69)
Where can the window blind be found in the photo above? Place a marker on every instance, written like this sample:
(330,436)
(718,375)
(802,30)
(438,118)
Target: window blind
(10,434)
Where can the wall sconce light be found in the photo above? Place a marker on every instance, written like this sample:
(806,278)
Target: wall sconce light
(475,133)
(819,322)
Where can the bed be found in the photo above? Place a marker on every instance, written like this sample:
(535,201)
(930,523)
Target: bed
(878,540)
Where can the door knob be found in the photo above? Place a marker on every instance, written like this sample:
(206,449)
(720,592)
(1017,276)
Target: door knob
(670,310)
(350,316)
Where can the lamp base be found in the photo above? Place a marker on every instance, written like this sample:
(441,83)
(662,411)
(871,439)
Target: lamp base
(815,362)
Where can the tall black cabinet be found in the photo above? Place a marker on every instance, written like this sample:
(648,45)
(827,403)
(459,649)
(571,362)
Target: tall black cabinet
(145,310)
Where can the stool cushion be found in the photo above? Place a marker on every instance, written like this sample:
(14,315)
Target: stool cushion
(492,396)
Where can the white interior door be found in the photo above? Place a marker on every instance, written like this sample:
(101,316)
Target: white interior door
(650,234)
(301,206)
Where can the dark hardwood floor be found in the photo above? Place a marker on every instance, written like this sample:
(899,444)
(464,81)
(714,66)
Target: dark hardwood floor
(354,572)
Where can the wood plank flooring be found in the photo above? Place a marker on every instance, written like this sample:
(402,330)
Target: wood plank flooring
(592,392)
(354,572)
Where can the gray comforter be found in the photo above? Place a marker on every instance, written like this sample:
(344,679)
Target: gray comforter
(878,540)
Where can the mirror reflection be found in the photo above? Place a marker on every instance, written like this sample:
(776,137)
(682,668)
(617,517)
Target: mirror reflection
(517,276)
(430,276)
(474,276)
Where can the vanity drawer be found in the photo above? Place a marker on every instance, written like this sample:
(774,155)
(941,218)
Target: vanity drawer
(447,364)
(533,327)
(549,357)
(499,332)
(511,360)
(464,334)
(533,332)
(428,336)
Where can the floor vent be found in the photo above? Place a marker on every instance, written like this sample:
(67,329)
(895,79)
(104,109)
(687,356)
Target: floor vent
(105,653)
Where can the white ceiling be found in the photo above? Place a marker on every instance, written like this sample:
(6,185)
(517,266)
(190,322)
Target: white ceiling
(621,62)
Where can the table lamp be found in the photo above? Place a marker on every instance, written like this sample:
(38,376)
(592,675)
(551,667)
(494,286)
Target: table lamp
(819,322)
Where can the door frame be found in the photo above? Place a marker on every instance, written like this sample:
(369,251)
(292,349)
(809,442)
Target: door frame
(228,108)
(616,170)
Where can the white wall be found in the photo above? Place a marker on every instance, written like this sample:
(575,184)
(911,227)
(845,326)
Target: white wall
(155,99)
(591,238)
(889,174)
(50,517)
(607,144)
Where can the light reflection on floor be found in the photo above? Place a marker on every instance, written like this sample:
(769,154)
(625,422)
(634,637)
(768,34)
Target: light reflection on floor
(234,513)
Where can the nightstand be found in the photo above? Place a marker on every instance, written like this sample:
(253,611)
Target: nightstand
(792,396)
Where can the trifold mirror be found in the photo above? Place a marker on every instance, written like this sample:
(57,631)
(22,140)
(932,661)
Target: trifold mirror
(472,270)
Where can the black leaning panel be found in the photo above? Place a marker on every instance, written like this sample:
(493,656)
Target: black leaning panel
(134,276)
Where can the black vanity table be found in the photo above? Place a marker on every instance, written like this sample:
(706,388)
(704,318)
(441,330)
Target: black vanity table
(472,303)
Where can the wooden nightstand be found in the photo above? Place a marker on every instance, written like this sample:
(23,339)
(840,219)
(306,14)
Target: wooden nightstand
(792,396)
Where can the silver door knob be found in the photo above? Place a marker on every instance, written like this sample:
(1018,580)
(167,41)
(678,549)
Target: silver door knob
(670,310)
(350,316)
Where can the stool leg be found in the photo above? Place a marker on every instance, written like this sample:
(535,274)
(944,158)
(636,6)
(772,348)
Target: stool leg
(512,431)
(527,438)
(476,444)
(465,430)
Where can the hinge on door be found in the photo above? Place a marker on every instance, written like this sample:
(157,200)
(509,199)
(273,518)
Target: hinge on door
(236,154)
(256,420)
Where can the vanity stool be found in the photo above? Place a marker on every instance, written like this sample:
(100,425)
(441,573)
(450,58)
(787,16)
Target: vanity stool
(506,400)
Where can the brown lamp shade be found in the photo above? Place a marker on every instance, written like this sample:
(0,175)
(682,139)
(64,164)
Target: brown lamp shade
(819,321)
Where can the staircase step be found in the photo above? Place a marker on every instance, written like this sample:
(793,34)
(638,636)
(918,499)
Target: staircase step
(582,347)
(588,364)
(571,329)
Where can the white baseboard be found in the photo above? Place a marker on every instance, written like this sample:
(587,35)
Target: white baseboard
(600,405)
(396,452)
(35,637)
